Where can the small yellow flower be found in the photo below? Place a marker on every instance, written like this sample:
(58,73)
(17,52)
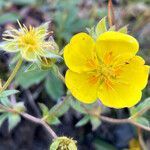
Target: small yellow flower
(30,42)
(107,68)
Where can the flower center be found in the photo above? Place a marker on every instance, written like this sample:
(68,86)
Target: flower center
(105,71)
(28,40)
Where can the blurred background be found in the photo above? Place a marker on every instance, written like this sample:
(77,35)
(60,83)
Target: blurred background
(68,17)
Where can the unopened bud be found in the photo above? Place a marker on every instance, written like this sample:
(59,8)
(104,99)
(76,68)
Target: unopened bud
(63,143)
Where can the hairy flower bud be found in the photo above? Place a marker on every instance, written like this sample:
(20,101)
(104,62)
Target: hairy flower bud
(63,143)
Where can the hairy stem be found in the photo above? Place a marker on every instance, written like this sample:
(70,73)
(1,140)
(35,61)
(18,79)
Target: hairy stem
(13,74)
(117,121)
(31,118)
(121,121)
(41,122)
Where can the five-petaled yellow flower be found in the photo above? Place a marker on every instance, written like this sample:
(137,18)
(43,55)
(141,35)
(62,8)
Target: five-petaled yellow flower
(107,68)
(30,42)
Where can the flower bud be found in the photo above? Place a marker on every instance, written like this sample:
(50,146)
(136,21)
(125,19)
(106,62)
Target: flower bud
(46,63)
(63,143)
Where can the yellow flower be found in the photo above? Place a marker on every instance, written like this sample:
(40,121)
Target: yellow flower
(30,42)
(106,69)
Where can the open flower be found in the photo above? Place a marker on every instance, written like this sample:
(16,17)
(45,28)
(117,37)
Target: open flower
(106,69)
(30,42)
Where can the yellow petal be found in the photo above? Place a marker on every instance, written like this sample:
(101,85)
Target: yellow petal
(83,86)
(119,95)
(135,72)
(80,54)
(116,43)
(125,89)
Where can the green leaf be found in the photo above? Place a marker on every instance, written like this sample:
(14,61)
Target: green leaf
(60,108)
(123,29)
(102,145)
(3,117)
(9,17)
(54,86)
(13,120)
(77,106)
(27,79)
(112,28)
(7,93)
(91,32)
(143,105)
(31,67)
(44,108)
(83,121)
(49,54)
(96,122)
(52,120)
(101,27)
(5,101)
(143,121)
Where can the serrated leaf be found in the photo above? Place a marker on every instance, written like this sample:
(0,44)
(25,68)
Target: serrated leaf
(96,122)
(54,86)
(123,29)
(13,120)
(3,117)
(143,121)
(7,93)
(101,27)
(83,121)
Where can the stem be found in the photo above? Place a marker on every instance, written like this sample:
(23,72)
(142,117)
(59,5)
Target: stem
(59,75)
(141,141)
(116,121)
(13,74)
(111,15)
(41,122)
(121,121)
(31,118)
